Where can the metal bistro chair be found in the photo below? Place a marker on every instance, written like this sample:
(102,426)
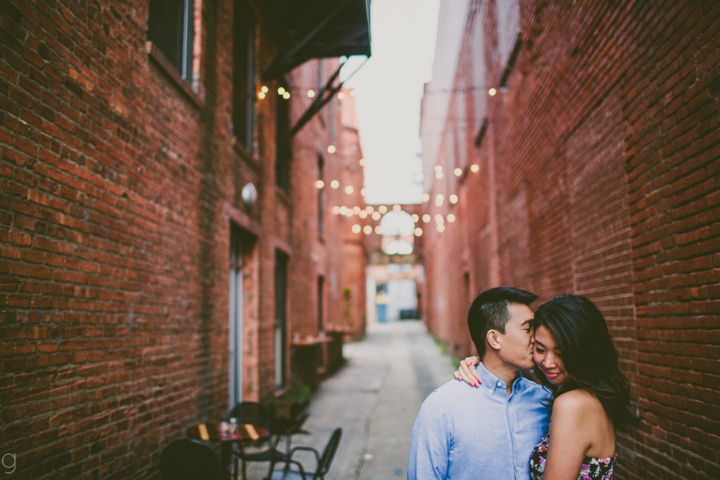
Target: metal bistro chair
(188,460)
(322,462)
(266,451)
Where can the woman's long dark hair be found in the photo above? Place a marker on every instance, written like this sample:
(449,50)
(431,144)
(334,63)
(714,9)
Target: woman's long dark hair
(588,354)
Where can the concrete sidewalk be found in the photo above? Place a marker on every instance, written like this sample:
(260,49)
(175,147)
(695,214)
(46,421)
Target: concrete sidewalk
(375,398)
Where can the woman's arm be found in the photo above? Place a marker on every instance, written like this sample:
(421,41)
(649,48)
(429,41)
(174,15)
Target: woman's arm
(571,431)
(467,373)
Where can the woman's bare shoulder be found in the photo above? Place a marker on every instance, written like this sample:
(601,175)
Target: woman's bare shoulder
(577,402)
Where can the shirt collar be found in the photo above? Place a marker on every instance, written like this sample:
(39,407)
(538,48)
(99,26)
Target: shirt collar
(493,383)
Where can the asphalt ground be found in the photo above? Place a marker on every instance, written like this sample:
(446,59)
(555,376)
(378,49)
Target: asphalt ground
(375,398)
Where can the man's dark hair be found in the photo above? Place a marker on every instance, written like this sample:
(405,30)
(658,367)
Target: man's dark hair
(489,312)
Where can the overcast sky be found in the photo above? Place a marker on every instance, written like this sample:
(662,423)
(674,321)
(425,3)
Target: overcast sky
(388,92)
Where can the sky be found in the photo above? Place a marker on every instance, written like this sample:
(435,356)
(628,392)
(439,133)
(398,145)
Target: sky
(388,93)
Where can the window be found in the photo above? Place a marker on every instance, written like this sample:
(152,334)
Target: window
(321,196)
(283,141)
(170,28)
(320,320)
(281,261)
(243,75)
(236,318)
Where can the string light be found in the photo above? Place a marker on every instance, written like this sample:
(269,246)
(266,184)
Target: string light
(396,208)
(349,213)
(335,210)
(352,93)
(439,199)
(441,228)
(349,189)
(367,229)
(264,89)
(356,210)
(362,162)
(343,210)
(341,95)
(376,216)
(331,149)
(363,191)
(492,92)
(281,91)
(382,209)
(319,184)
(261,95)
(426,197)
(311,93)
(475,168)
(458,172)
(363,214)
(418,232)
(378,230)
(438,174)
(453,199)
(415,217)
(334,184)
(356,228)
(438,168)
(426,218)
(450,218)
(286,95)
(369,209)
(439,219)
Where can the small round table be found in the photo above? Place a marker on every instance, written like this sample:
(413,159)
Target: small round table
(243,433)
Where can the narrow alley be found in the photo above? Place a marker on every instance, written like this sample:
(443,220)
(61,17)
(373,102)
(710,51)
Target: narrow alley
(375,398)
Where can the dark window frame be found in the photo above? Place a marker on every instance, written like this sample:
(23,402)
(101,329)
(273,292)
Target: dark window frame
(244,23)
(171,28)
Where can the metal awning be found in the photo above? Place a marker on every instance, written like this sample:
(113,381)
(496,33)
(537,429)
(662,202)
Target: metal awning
(307,29)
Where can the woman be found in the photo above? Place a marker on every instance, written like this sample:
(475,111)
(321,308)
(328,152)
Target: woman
(575,358)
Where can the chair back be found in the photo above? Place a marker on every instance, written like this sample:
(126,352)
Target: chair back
(188,460)
(329,453)
(252,413)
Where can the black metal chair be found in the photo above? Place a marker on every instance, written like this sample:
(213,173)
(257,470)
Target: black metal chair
(322,462)
(188,460)
(265,450)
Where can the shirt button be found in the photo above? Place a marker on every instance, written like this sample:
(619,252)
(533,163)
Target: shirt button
(499,383)
(517,469)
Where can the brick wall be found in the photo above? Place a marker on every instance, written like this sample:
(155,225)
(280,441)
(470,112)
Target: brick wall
(604,151)
(120,185)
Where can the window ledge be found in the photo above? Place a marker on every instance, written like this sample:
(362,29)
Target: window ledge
(161,61)
(247,156)
(283,196)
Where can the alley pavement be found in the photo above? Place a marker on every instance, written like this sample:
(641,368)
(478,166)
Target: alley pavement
(375,398)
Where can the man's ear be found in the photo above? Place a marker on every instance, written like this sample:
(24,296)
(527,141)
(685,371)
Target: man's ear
(493,339)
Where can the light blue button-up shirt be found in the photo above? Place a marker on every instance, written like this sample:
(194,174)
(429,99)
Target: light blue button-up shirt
(464,432)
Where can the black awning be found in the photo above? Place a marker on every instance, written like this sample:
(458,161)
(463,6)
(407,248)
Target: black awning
(307,29)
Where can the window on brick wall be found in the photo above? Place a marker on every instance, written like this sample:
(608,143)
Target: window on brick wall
(243,74)
(281,263)
(171,29)
(321,196)
(320,320)
(508,26)
(283,142)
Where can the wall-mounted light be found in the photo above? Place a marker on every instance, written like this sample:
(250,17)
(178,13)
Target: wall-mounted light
(249,194)
(331,149)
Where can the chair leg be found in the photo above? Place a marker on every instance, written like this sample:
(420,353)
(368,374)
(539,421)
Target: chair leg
(244,470)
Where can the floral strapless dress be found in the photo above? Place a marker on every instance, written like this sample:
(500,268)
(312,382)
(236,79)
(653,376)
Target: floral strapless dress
(592,468)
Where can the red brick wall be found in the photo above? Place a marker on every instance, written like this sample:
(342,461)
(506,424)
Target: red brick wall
(118,189)
(604,149)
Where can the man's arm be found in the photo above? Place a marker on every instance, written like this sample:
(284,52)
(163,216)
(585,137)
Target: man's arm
(430,442)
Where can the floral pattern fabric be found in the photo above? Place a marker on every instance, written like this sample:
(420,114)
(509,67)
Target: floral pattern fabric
(592,468)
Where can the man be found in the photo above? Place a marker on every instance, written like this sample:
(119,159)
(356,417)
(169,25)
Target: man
(487,432)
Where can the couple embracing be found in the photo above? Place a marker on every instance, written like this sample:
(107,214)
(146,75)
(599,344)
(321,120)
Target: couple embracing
(496,424)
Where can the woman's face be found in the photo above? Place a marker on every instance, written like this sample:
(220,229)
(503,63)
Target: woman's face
(548,357)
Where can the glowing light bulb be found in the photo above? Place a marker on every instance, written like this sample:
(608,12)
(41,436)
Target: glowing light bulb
(362,162)
(286,95)
(356,210)
(441,228)
(341,95)
(261,95)
(349,189)
(426,197)
(281,90)
(319,184)
(343,210)
(356,228)
(382,209)
(475,168)
(363,191)
(352,93)
(334,184)
(492,92)
(438,168)
(349,213)
(457,172)
(415,217)
(438,174)
(264,89)
(331,149)
(311,93)
(396,208)
(376,215)
(418,232)
(369,209)
(335,210)
(363,214)
(426,218)
(439,199)
(367,229)
(378,230)
(450,218)
(453,199)
(439,219)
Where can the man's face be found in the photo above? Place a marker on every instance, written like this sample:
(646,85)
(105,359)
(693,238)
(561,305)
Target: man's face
(516,343)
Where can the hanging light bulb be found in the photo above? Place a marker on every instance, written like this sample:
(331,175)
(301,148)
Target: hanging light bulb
(369,209)
(378,230)
(492,92)
(335,210)
(362,162)
(264,89)
(438,174)
(438,168)
(341,95)
(367,229)
(349,189)
(311,93)
(356,228)
(396,208)
(439,198)
(450,218)
(376,216)
(343,210)
(439,219)
(331,149)
(441,228)
(349,213)
(363,191)
(281,91)
(363,214)
(475,168)
(382,209)
(418,232)
(320,184)
(261,95)
(426,218)
(334,184)
(356,210)
(415,217)
(457,172)
(286,95)
(426,197)
(453,199)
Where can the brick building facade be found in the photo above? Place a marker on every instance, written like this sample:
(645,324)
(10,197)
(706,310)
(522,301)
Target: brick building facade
(590,167)
(162,235)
